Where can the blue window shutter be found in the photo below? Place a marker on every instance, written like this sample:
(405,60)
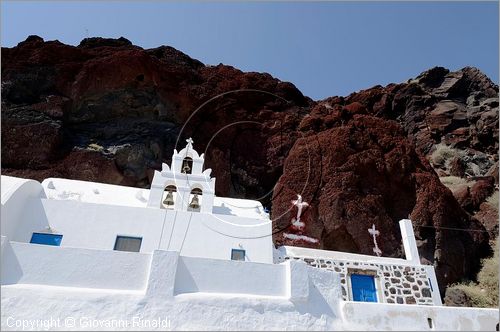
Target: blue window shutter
(46,238)
(363,288)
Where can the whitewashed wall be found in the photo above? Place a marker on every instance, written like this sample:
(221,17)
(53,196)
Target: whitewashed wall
(16,194)
(214,236)
(219,276)
(160,273)
(402,281)
(305,298)
(75,267)
(95,226)
(390,317)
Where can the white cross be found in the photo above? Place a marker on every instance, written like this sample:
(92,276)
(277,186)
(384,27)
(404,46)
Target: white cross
(190,141)
(373,232)
(300,205)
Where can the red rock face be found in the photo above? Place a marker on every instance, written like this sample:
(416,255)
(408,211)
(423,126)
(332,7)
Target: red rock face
(112,112)
(365,172)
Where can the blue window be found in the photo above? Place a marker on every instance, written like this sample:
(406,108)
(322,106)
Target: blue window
(46,238)
(363,288)
(238,254)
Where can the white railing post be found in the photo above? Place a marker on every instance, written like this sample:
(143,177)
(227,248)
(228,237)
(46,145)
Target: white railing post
(409,243)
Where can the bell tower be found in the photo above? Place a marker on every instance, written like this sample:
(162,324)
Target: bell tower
(184,186)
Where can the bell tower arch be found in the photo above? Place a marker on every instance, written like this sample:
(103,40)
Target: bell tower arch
(194,187)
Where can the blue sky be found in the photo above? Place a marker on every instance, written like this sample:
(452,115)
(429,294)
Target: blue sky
(324,48)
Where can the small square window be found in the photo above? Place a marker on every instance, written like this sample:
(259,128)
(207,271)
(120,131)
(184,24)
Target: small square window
(46,238)
(128,243)
(237,254)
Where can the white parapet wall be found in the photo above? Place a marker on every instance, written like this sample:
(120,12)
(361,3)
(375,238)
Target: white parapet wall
(24,263)
(230,277)
(161,273)
(390,317)
(90,288)
(397,280)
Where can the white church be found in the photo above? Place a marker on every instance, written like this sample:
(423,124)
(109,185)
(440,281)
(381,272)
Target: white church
(82,255)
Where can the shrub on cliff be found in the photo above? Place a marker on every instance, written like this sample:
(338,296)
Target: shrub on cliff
(484,293)
(443,154)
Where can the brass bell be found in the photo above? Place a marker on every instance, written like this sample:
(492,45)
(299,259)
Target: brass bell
(169,200)
(186,169)
(195,203)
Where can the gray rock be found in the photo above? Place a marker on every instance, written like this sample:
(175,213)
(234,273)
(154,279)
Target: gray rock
(457,298)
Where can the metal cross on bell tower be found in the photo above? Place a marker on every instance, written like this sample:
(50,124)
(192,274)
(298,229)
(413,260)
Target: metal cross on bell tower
(373,232)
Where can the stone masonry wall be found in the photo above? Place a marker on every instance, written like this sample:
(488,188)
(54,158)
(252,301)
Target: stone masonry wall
(398,283)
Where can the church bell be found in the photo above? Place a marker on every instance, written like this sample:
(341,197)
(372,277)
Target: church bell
(185,168)
(195,203)
(169,200)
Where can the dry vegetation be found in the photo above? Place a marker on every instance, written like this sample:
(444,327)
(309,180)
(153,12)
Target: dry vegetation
(454,182)
(493,200)
(484,293)
(444,154)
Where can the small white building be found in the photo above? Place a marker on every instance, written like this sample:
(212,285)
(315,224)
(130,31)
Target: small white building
(84,255)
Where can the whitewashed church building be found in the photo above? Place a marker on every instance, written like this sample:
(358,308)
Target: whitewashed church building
(82,255)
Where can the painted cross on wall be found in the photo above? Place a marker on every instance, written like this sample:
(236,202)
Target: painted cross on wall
(373,232)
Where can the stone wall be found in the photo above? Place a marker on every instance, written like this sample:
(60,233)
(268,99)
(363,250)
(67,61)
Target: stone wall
(395,283)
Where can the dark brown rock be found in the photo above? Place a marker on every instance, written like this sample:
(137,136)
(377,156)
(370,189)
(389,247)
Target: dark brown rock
(488,216)
(493,171)
(482,189)
(459,109)
(457,167)
(471,197)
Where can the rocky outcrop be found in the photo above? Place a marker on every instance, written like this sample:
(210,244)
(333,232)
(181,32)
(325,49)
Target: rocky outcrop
(451,117)
(455,109)
(130,104)
(110,111)
(362,172)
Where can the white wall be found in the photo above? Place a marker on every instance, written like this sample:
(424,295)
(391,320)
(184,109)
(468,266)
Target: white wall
(96,226)
(90,225)
(25,263)
(214,236)
(187,311)
(392,317)
(156,274)
(233,277)
(396,280)
(196,293)
(283,251)
(16,193)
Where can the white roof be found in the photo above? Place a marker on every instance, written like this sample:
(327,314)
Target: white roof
(239,207)
(10,185)
(100,193)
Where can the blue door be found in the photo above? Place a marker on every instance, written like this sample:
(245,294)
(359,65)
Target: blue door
(47,239)
(363,288)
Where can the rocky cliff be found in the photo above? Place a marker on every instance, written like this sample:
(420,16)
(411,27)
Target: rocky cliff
(110,111)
